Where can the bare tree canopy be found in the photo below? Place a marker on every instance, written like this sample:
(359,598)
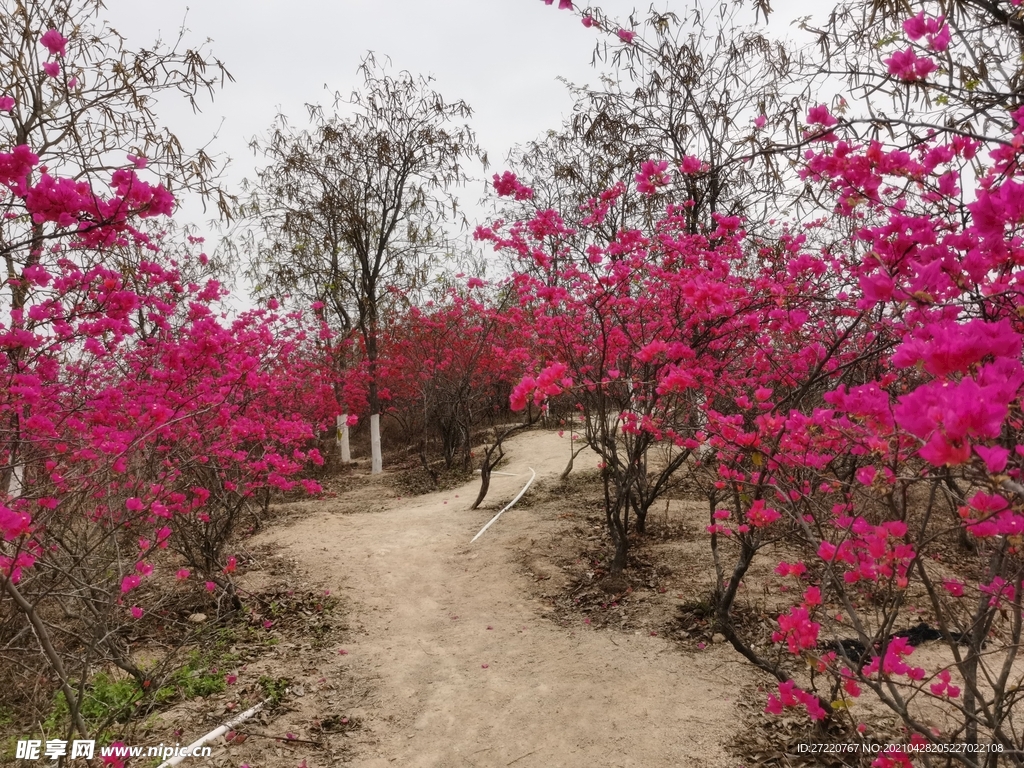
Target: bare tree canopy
(101,102)
(352,211)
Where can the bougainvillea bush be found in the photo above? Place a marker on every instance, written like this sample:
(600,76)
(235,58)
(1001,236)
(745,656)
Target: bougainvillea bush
(451,366)
(852,413)
(137,423)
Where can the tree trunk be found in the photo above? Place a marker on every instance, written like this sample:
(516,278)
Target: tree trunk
(376,463)
(617,516)
(343,447)
(485,484)
(369,327)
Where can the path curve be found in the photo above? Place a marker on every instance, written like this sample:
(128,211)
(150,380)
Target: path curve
(467,668)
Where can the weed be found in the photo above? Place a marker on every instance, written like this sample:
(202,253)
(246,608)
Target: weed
(274,689)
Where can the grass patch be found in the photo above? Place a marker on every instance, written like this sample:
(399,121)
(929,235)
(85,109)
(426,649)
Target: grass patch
(107,700)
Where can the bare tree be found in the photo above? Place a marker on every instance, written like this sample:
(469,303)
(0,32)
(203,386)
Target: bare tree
(351,212)
(689,85)
(979,68)
(101,103)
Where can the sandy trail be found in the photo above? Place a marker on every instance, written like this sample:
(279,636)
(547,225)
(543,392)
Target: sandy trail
(466,668)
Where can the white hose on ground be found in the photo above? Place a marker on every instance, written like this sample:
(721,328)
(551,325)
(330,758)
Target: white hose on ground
(212,735)
(517,498)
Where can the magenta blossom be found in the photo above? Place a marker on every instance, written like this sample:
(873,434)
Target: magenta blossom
(909,67)
(54,42)
(820,115)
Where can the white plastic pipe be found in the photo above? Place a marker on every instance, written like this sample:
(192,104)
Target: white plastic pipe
(507,506)
(376,465)
(213,735)
(346,455)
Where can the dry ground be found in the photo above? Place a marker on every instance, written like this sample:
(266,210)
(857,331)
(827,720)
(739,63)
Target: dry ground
(458,655)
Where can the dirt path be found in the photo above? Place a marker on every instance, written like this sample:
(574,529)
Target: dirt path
(466,668)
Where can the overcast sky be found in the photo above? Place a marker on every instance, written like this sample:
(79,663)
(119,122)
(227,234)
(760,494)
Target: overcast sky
(500,56)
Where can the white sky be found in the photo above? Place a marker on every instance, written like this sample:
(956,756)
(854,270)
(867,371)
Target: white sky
(501,56)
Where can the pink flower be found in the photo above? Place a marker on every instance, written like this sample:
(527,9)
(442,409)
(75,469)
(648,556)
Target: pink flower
(128,583)
(652,175)
(995,457)
(866,475)
(761,516)
(6,103)
(52,68)
(210,586)
(134,504)
(352,420)
(626,35)
(691,164)
(565,5)
(760,121)
(934,28)
(954,587)
(232,565)
(940,41)
(909,67)
(73,83)
(820,115)
(182,574)
(588,21)
(790,569)
(507,185)
(231,679)
(136,612)
(54,42)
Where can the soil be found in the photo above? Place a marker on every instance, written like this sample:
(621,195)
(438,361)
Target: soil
(513,650)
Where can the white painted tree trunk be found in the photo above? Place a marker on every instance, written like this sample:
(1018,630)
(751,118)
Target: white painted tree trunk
(376,464)
(16,483)
(346,455)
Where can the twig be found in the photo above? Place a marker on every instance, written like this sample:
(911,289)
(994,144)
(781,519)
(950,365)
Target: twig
(285,739)
(520,757)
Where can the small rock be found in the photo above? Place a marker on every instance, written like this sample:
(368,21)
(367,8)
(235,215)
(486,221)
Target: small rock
(718,637)
(197,618)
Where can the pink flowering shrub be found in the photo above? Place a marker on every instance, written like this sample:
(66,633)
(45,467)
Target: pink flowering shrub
(450,366)
(857,404)
(137,422)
